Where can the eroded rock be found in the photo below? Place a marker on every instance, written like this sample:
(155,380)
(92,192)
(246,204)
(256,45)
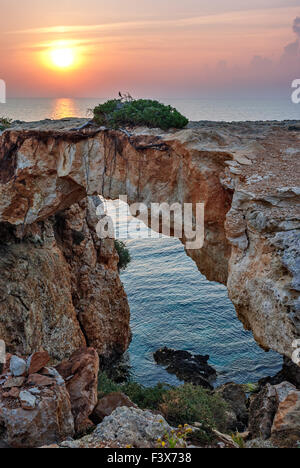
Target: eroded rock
(132,426)
(108,404)
(80,373)
(246,174)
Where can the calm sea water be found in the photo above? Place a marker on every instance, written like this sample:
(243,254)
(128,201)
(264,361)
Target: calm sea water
(172,304)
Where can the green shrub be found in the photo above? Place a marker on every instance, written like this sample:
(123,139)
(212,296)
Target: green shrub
(143,397)
(106,385)
(189,404)
(145,112)
(124,255)
(5,123)
(146,397)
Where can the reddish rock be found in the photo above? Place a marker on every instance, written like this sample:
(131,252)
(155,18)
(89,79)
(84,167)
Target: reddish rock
(108,404)
(81,376)
(13,393)
(286,425)
(50,421)
(38,380)
(14,382)
(37,361)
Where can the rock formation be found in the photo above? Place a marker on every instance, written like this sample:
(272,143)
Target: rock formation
(80,373)
(35,408)
(60,288)
(246,174)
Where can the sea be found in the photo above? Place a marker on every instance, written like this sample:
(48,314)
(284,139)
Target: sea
(171,303)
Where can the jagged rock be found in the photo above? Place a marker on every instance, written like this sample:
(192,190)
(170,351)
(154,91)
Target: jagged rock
(262,412)
(89,295)
(13,382)
(286,425)
(27,400)
(251,210)
(40,380)
(17,366)
(80,373)
(132,426)
(47,421)
(260,444)
(108,404)
(37,361)
(186,366)
(236,398)
(290,372)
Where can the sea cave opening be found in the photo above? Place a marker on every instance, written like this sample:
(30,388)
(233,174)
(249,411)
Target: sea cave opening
(173,305)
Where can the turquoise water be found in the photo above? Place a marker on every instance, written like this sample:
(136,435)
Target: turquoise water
(171,303)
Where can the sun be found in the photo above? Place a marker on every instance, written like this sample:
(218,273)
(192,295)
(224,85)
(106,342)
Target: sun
(62,57)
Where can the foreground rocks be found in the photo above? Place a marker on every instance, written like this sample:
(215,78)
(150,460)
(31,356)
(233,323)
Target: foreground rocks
(129,427)
(187,367)
(275,415)
(238,412)
(80,373)
(35,409)
(108,404)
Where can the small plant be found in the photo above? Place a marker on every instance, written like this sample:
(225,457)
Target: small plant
(127,111)
(143,397)
(189,404)
(238,439)
(176,439)
(251,387)
(5,123)
(124,255)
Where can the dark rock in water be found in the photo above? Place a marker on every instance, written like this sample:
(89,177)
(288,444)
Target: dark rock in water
(187,367)
(290,373)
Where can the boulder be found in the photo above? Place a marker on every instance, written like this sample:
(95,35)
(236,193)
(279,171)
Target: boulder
(80,373)
(17,366)
(236,398)
(25,425)
(132,426)
(37,361)
(108,404)
(38,380)
(261,413)
(286,425)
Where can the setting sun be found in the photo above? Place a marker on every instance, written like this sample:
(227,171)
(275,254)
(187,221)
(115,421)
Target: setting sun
(62,58)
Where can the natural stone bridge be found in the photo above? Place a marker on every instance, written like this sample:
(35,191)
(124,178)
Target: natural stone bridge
(246,174)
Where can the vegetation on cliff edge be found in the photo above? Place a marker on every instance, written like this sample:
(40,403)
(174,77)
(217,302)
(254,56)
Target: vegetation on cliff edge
(127,111)
(124,255)
(4,123)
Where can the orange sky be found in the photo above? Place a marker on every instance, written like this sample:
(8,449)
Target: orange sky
(147,47)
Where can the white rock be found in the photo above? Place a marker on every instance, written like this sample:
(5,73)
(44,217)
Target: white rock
(17,366)
(28,400)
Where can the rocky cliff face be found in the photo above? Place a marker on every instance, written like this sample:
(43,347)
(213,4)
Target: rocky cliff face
(246,174)
(60,288)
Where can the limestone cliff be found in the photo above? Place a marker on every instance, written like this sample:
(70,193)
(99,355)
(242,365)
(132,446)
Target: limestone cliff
(247,174)
(60,288)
